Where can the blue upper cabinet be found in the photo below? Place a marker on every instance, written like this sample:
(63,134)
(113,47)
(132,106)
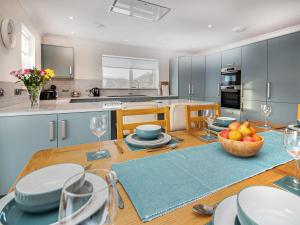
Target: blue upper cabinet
(231,57)
(20,137)
(184,76)
(198,77)
(255,71)
(173,71)
(74,128)
(284,68)
(212,76)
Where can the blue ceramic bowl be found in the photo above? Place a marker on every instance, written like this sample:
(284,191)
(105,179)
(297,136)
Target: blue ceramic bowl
(148,132)
(225,121)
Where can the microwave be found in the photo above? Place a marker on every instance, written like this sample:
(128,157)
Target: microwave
(231,76)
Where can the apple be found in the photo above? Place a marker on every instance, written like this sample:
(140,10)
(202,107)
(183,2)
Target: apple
(256,137)
(234,126)
(235,135)
(224,133)
(245,131)
(253,131)
(246,124)
(248,139)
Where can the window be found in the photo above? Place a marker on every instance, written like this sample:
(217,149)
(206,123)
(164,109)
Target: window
(27,48)
(125,72)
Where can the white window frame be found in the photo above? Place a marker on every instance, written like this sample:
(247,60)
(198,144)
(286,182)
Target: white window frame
(131,80)
(27,58)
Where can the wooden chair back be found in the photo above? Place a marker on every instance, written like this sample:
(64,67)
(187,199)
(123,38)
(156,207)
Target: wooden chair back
(190,119)
(298,114)
(121,127)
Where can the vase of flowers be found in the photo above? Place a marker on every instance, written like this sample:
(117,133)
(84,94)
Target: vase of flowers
(34,80)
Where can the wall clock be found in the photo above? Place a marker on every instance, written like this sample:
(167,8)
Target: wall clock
(8,33)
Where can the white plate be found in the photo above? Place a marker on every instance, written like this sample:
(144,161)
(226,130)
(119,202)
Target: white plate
(162,140)
(268,206)
(294,127)
(47,179)
(92,206)
(226,212)
(217,128)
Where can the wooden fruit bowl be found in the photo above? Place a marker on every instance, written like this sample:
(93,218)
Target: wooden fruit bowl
(239,148)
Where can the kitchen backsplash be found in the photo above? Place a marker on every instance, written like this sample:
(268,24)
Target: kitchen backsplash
(64,88)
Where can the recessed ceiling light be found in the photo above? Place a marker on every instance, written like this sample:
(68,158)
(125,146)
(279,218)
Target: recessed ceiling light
(238,29)
(72,32)
(71,17)
(209,26)
(125,40)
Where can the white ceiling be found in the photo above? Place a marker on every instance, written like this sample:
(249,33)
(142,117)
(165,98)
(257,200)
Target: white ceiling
(183,29)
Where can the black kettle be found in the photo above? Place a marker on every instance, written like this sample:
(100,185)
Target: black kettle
(95,92)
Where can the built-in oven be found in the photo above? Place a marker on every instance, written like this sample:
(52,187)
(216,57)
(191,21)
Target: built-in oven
(230,76)
(231,97)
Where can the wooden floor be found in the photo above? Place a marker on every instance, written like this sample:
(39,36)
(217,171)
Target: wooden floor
(128,216)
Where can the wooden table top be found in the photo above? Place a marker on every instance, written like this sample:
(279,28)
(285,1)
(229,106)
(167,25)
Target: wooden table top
(184,215)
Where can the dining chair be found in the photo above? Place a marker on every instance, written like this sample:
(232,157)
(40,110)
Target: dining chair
(298,113)
(121,113)
(198,119)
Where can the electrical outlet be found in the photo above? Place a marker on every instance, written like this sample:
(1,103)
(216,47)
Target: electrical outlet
(1,92)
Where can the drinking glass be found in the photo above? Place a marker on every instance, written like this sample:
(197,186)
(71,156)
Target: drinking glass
(98,126)
(291,141)
(89,198)
(209,117)
(266,111)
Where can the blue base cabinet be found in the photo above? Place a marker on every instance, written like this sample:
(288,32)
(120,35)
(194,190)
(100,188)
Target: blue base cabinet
(20,137)
(74,128)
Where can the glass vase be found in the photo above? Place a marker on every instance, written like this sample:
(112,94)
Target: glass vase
(34,95)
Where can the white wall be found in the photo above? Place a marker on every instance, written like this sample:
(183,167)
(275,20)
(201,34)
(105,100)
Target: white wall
(88,55)
(11,59)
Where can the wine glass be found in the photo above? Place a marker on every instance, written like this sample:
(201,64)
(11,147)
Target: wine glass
(89,198)
(98,126)
(266,111)
(209,117)
(291,141)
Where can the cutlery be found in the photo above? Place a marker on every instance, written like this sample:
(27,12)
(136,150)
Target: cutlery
(203,209)
(120,149)
(120,200)
(177,138)
(167,147)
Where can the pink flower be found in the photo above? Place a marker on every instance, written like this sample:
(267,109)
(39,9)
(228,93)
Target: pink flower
(43,72)
(13,73)
(27,71)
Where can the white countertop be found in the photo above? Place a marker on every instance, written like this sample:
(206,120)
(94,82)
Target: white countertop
(64,106)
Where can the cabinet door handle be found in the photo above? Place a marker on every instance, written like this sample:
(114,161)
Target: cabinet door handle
(192,89)
(63,125)
(242,89)
(189,88)
(51,131)
(269,90)
(218,89)
(70,70)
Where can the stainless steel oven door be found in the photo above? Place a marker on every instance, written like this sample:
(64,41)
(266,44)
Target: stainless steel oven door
(231,98)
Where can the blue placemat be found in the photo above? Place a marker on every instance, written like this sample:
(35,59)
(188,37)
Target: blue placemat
(134,148)
(283,183)
(159,184)
(103,154)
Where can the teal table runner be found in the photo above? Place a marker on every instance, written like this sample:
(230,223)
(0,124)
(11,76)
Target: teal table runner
(159,184)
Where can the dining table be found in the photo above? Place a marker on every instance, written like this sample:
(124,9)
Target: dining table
(128,215)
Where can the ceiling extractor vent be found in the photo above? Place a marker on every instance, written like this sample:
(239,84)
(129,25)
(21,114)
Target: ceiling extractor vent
(140,9)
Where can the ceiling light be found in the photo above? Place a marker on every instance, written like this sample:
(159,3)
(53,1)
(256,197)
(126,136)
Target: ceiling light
(238,29)
(72,32)
(140,9)
(125,40)
(71,17)
(209,26)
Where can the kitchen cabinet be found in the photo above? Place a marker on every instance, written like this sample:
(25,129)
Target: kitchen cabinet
(74,128)
(173,68)
(184,76)
(254,71)
(60,59)
(20,137)
(251,110)
(284,68)
(212,76)
(231,57)
(198,77)
(191,76)
(283,113)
